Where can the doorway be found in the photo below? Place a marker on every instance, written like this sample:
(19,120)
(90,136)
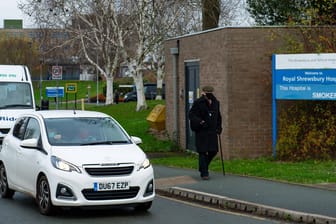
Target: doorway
(192,92)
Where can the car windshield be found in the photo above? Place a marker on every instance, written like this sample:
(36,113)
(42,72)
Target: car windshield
(84,131)
(15,95)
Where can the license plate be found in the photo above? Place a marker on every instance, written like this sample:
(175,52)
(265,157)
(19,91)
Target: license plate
(110,186)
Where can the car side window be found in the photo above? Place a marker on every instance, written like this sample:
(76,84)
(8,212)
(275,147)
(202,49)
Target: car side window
(19,127)
(32,130)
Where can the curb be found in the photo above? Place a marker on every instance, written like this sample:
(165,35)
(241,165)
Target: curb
(226,203)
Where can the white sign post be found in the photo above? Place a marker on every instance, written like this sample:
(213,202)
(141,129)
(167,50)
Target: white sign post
(56,72)
(56,75)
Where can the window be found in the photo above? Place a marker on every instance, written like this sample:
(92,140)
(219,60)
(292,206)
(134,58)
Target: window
(78,131)
(33,129)
(19,127)
(16,95)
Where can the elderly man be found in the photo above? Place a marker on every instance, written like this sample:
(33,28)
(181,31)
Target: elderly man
(206,121)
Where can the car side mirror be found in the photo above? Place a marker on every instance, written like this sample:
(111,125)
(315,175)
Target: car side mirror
(136,140)
(30,143)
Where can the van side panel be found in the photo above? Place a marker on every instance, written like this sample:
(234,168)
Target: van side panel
(16,95)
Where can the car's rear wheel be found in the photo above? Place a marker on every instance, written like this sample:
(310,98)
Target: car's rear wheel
(143,206)
(4,189)
(43,196)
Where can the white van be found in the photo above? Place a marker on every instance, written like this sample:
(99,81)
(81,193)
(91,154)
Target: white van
(16,95)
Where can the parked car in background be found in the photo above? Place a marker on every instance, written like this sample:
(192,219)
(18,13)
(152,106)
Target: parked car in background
(150,90)
(75,158)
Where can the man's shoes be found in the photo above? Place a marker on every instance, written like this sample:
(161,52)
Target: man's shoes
(205,178)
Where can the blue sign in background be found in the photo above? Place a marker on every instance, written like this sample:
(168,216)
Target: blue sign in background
(306,92)
(307,84)
(55,91)
(302,77)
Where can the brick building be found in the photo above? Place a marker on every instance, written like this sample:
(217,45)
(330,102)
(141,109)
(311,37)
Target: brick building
(237,62)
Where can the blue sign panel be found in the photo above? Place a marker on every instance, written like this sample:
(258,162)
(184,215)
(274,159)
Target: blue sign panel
(55,91)
(304,76)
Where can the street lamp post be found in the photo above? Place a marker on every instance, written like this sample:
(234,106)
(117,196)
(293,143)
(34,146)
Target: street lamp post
(41,98)
(88,97)
(97,79)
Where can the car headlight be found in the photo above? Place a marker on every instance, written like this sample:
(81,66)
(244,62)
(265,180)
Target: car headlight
(145,164)
(64,165)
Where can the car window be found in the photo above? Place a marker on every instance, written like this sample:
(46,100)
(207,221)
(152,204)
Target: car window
(32,129)
(80,131)
(19,127)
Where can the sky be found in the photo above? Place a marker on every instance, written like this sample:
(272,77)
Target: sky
(9,10)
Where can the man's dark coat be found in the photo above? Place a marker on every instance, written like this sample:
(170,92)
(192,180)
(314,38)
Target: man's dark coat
(206,133)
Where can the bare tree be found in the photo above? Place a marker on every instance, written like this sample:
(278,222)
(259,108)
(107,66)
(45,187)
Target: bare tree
(194,15)
(118,31)
(100,31)
(96,25)
(152,22)
(156,20)
(210,12)
(127,31)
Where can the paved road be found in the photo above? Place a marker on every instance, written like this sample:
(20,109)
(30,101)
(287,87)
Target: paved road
(253,194)
(22,210)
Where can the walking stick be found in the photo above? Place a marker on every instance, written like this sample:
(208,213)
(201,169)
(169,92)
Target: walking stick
(221,152)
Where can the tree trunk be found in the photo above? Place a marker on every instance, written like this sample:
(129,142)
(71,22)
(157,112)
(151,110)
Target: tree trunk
(109,90)
(159,78)
(141,100)
(210,14)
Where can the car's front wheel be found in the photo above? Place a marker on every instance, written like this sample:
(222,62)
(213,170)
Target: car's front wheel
(43,196)
(4,189)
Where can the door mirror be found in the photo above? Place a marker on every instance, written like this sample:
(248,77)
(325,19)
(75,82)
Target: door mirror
(29,143)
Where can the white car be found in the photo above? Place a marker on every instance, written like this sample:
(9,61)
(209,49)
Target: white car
(67,158)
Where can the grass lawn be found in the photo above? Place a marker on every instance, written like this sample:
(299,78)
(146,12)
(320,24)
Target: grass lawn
(135,123)
(307,172)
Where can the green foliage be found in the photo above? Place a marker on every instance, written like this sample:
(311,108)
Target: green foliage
(82,89)
(307,130)
(19,51)
(274,12)
(135,124)
(322,12)
(295,12)
(306,172)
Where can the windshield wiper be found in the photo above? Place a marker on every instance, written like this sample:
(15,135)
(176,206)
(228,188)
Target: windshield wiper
(105,142)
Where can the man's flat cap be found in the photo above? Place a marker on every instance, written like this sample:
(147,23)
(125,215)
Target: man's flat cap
(208,89)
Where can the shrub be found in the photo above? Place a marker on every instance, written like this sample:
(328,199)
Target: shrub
(307,130)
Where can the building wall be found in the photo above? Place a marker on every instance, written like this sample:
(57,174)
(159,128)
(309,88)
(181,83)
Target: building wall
(238,63)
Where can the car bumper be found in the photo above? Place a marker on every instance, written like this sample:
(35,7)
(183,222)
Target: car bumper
(74,189)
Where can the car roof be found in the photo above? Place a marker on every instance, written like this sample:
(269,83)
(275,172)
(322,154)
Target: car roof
(66,113)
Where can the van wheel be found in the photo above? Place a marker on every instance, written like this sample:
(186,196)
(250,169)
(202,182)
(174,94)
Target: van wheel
(43,196)
(4,189)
